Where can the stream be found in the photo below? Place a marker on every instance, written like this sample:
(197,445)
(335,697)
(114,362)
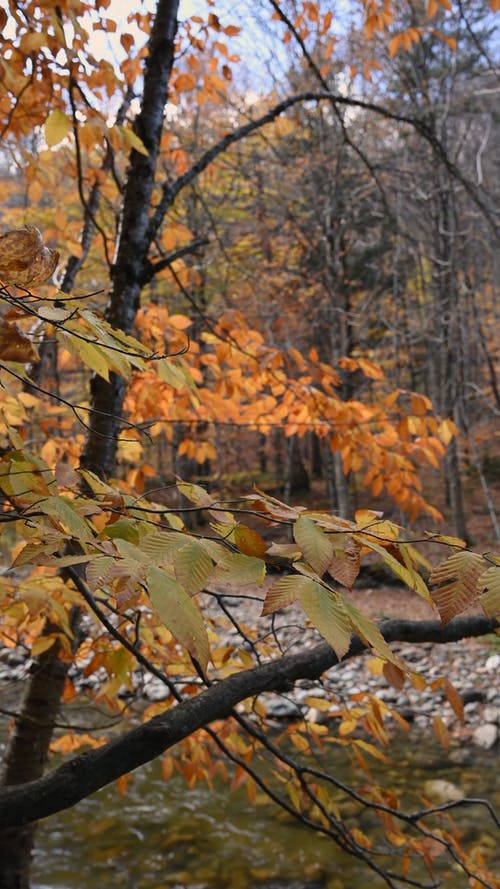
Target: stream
(161,834)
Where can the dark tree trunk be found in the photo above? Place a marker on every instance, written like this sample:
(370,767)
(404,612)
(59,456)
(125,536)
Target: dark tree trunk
(26,757)
(297,477)
(28,747)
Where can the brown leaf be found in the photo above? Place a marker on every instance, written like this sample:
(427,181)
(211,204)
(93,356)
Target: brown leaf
(14,344)
(18,248)
(24,260)
(41,269)
(394,675)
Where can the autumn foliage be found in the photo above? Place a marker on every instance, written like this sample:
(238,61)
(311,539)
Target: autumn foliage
(201,340)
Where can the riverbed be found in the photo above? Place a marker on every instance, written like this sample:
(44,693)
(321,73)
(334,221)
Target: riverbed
(161,834)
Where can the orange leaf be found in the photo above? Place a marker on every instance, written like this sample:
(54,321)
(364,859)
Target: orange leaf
(249,541)
(441,731)
(180,322)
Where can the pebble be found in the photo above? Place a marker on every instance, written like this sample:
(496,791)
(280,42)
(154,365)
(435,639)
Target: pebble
(485,736)
(492,664)
(469,665)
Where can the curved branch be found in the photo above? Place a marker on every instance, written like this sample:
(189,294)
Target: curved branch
(65,786)
(170,190)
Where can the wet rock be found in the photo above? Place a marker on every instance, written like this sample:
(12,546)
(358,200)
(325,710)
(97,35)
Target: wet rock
(470,695)
(440,791)
(485,736)
(155,690)
(282,708)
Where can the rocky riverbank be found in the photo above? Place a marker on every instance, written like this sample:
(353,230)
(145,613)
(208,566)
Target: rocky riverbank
(472,666)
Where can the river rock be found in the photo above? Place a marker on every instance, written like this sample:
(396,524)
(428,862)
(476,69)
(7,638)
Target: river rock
(440,791)
(486,735)
(492,664)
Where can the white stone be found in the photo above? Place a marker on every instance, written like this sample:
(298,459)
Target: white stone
(486,735)
(441,791)
(492,714)
(492,663)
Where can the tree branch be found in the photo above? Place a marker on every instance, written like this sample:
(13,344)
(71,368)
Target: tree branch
(170,190)
(152,268)
(63,787)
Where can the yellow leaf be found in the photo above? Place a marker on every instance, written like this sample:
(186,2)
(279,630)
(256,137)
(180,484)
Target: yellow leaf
(132,140)
(489,587)
(57,127)
(42,643)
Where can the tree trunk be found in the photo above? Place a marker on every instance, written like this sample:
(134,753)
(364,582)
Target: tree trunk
(454,490)
(297,477)
(29,744)
(26,757)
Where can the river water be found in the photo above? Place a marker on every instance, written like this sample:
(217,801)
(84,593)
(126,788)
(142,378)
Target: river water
(161,835)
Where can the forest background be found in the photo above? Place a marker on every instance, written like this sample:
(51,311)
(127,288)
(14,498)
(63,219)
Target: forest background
(279,289)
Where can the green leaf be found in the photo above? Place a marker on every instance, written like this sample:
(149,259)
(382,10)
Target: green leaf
(122,350)
(32,553)
(172,375)
(128,550)
(64,512)
(96,484)
(325,609)
(368,631)
(160,546)
(316,546)
(193,567)
(57,561)
(178,613)
(237,568)
(125,529)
